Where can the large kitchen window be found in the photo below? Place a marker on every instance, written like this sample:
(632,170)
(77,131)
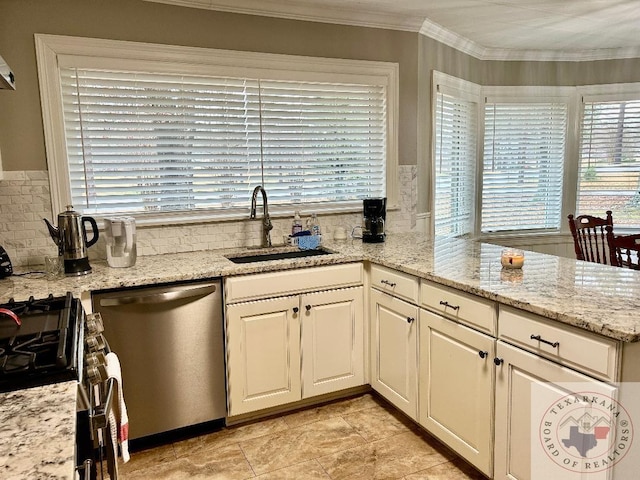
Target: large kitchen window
(534,167)
(171,133)
(609,169)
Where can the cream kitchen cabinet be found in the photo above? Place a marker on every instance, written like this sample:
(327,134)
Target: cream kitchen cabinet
(537,359)
(457,348)
(456,384)
(394,351)
(284,348)
(263,354)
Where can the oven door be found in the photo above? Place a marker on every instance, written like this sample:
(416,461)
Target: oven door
(95,456)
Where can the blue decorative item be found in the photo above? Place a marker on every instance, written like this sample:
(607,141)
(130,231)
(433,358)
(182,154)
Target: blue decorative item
(309,242)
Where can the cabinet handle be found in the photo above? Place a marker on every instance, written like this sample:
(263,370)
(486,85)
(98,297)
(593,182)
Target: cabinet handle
(387,282)
(295,309)
(540,339)
(308,307)
(447,304)
(410,319)
(483,354)
(498,361)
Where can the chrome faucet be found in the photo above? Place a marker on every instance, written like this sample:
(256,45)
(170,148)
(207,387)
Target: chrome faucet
(266,221)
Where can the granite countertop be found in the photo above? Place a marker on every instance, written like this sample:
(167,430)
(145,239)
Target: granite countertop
(37,432)
(37,425)
(569,291)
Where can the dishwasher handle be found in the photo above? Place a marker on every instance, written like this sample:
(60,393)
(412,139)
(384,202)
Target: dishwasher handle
(158,297)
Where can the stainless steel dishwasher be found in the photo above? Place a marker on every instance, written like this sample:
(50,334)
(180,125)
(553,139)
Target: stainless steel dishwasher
(170,343)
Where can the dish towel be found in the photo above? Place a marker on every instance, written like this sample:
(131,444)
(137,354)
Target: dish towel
(118,418)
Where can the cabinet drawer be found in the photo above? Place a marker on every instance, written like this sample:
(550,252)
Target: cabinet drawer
(274,284)
(575,348)
(396,283)
(477,312)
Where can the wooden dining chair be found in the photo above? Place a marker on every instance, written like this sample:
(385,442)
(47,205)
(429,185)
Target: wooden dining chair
(623,249)
(590,238)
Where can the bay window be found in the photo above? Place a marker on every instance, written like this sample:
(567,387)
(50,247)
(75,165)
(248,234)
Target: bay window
(544,152)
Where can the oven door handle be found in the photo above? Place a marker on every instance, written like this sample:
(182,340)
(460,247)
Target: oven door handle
(100,416)
(158,297)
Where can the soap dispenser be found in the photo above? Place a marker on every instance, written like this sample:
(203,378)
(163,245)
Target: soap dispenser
(296,227)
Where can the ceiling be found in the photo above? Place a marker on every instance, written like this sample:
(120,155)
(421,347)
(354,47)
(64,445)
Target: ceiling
(487,29)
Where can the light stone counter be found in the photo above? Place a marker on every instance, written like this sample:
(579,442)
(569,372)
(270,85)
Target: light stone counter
(598,298)
(37,433)
(37,425)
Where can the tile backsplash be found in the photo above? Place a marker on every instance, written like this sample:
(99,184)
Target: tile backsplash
(25,200)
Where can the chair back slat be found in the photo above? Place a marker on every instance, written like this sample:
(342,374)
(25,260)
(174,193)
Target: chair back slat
(624,249)
(590,237)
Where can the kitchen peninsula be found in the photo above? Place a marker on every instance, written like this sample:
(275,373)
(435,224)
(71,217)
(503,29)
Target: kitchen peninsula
(595,298)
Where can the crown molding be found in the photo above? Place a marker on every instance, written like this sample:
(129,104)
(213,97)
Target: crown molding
(463,44)
(292,10)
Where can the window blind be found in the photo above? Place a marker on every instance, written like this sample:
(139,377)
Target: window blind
(609,171)
(455,164)
(523,165)
(143,142)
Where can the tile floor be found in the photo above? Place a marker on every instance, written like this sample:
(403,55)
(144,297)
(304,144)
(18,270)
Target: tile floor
(356,438)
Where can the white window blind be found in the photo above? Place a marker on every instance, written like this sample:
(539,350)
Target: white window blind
(609,172)
(454,164)
(145,142)
(523,165)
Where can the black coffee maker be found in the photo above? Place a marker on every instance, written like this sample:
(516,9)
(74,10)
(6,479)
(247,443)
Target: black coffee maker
(374,215)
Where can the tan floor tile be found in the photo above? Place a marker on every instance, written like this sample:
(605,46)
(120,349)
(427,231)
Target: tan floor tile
(231,434)
(147,458)
(377,423)
(334,409)
(454,470)
(296,445)
(307,471)
(391,458)
(226,463)
(180,469)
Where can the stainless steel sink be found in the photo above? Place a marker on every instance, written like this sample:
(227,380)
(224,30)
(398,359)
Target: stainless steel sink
(265,257)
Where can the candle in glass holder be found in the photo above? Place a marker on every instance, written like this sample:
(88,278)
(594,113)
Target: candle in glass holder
(512,258)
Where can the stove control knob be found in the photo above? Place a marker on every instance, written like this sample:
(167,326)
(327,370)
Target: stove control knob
(95,359)
(94,323)
(95,343)
(96,374)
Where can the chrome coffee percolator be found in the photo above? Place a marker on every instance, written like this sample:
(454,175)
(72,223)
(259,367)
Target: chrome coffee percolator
(71,238)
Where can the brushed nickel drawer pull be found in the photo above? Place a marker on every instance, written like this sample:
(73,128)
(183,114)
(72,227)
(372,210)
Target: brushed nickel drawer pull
(447,304)
(540,339)
(387,282)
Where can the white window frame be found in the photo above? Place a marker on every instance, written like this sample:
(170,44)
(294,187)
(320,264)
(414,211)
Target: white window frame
(54,50)
(461,89)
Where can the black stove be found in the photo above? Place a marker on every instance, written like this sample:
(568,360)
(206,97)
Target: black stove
(40,341)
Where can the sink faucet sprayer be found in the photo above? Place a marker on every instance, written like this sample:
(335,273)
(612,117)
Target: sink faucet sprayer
(266,221)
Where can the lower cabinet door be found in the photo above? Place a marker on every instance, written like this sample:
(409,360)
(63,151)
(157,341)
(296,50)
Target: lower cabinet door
(332,341)
(394,351)
(543,428)
(456,387)
(263,354)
